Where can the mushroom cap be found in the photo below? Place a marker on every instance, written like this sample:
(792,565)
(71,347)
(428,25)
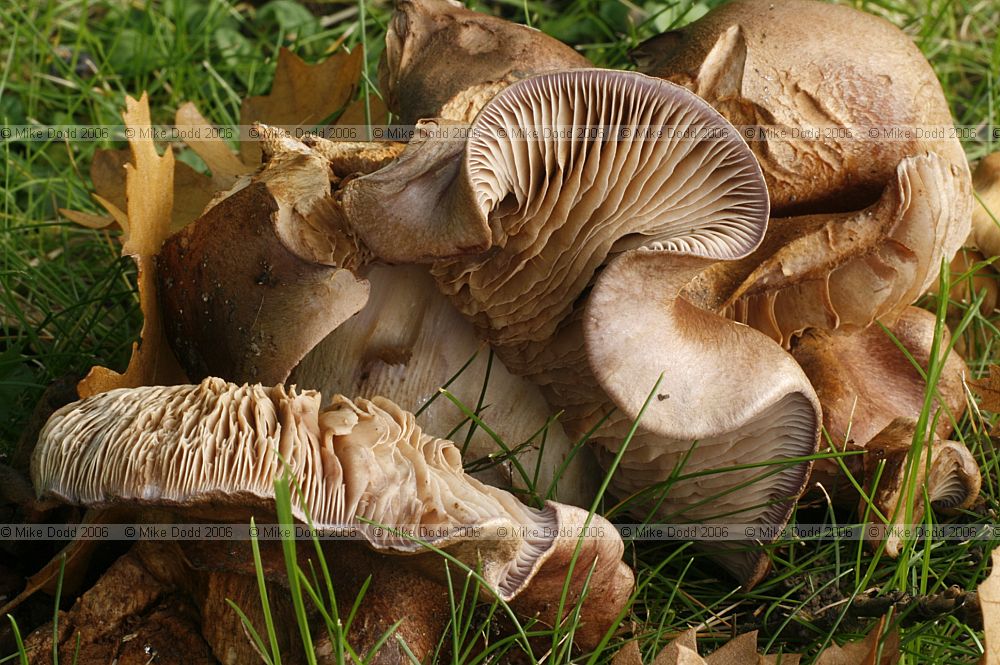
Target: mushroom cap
(945,469)
(443,60)
(263,275)
(726,396)
(764,63)
(221,447)
(865,381)
(847,269)
(559,206)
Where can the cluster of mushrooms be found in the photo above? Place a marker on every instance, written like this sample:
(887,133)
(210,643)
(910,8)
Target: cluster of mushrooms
(726,290)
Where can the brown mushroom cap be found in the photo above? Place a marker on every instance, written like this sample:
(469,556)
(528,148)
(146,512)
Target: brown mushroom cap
(847,269)
(443,60)
(946,469)
(219,445)
(864,380)
(764,63)
(726,396)
(880,210)
(272,252)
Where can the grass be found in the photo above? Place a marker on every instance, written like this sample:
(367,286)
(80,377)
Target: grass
(67,300)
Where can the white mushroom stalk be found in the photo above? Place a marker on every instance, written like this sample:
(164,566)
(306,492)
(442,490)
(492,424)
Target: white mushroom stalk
(666,177)
(218,445)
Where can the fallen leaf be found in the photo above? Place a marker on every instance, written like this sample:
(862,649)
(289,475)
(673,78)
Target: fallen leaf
(221,161)
(873,650)
(629,654)
(683,650)
(355,113)
(302,95)
(989,600)
(149,186)
(988,390)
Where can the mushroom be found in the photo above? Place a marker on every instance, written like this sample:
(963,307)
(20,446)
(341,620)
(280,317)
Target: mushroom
(985,228)
(945,470)
(263,286)
(442,60)
(866,199)
(215,449)
(409,341)
(273,251)
(667,182)
(867,379)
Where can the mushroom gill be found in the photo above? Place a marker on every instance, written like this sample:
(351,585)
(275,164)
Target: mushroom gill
(220,447)
(570,171)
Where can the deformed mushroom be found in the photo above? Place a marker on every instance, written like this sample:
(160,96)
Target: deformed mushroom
(252,290)
(666,181)
(270,253)
(854,143)
(442,60)
(896,481)
(216,449)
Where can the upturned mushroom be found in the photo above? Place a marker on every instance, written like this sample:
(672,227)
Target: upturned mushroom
(666,189)
(866,200)
(216,449)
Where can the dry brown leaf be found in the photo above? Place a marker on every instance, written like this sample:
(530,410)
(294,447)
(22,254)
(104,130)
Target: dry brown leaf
(989,600)
(988,390)
(149,184)
(629,654)
(355,113)
(302,95)
(683,650)
(866,651)
(221,161)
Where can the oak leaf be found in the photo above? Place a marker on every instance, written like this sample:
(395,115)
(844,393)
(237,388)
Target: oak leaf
(872,650)
(149,195)
(683,650)
(989,601)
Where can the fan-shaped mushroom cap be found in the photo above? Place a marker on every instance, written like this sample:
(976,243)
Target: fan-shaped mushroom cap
(263,275)
(764,63)
(945,469)
(727,396)
(558,207)
(219,445)
(443,60)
